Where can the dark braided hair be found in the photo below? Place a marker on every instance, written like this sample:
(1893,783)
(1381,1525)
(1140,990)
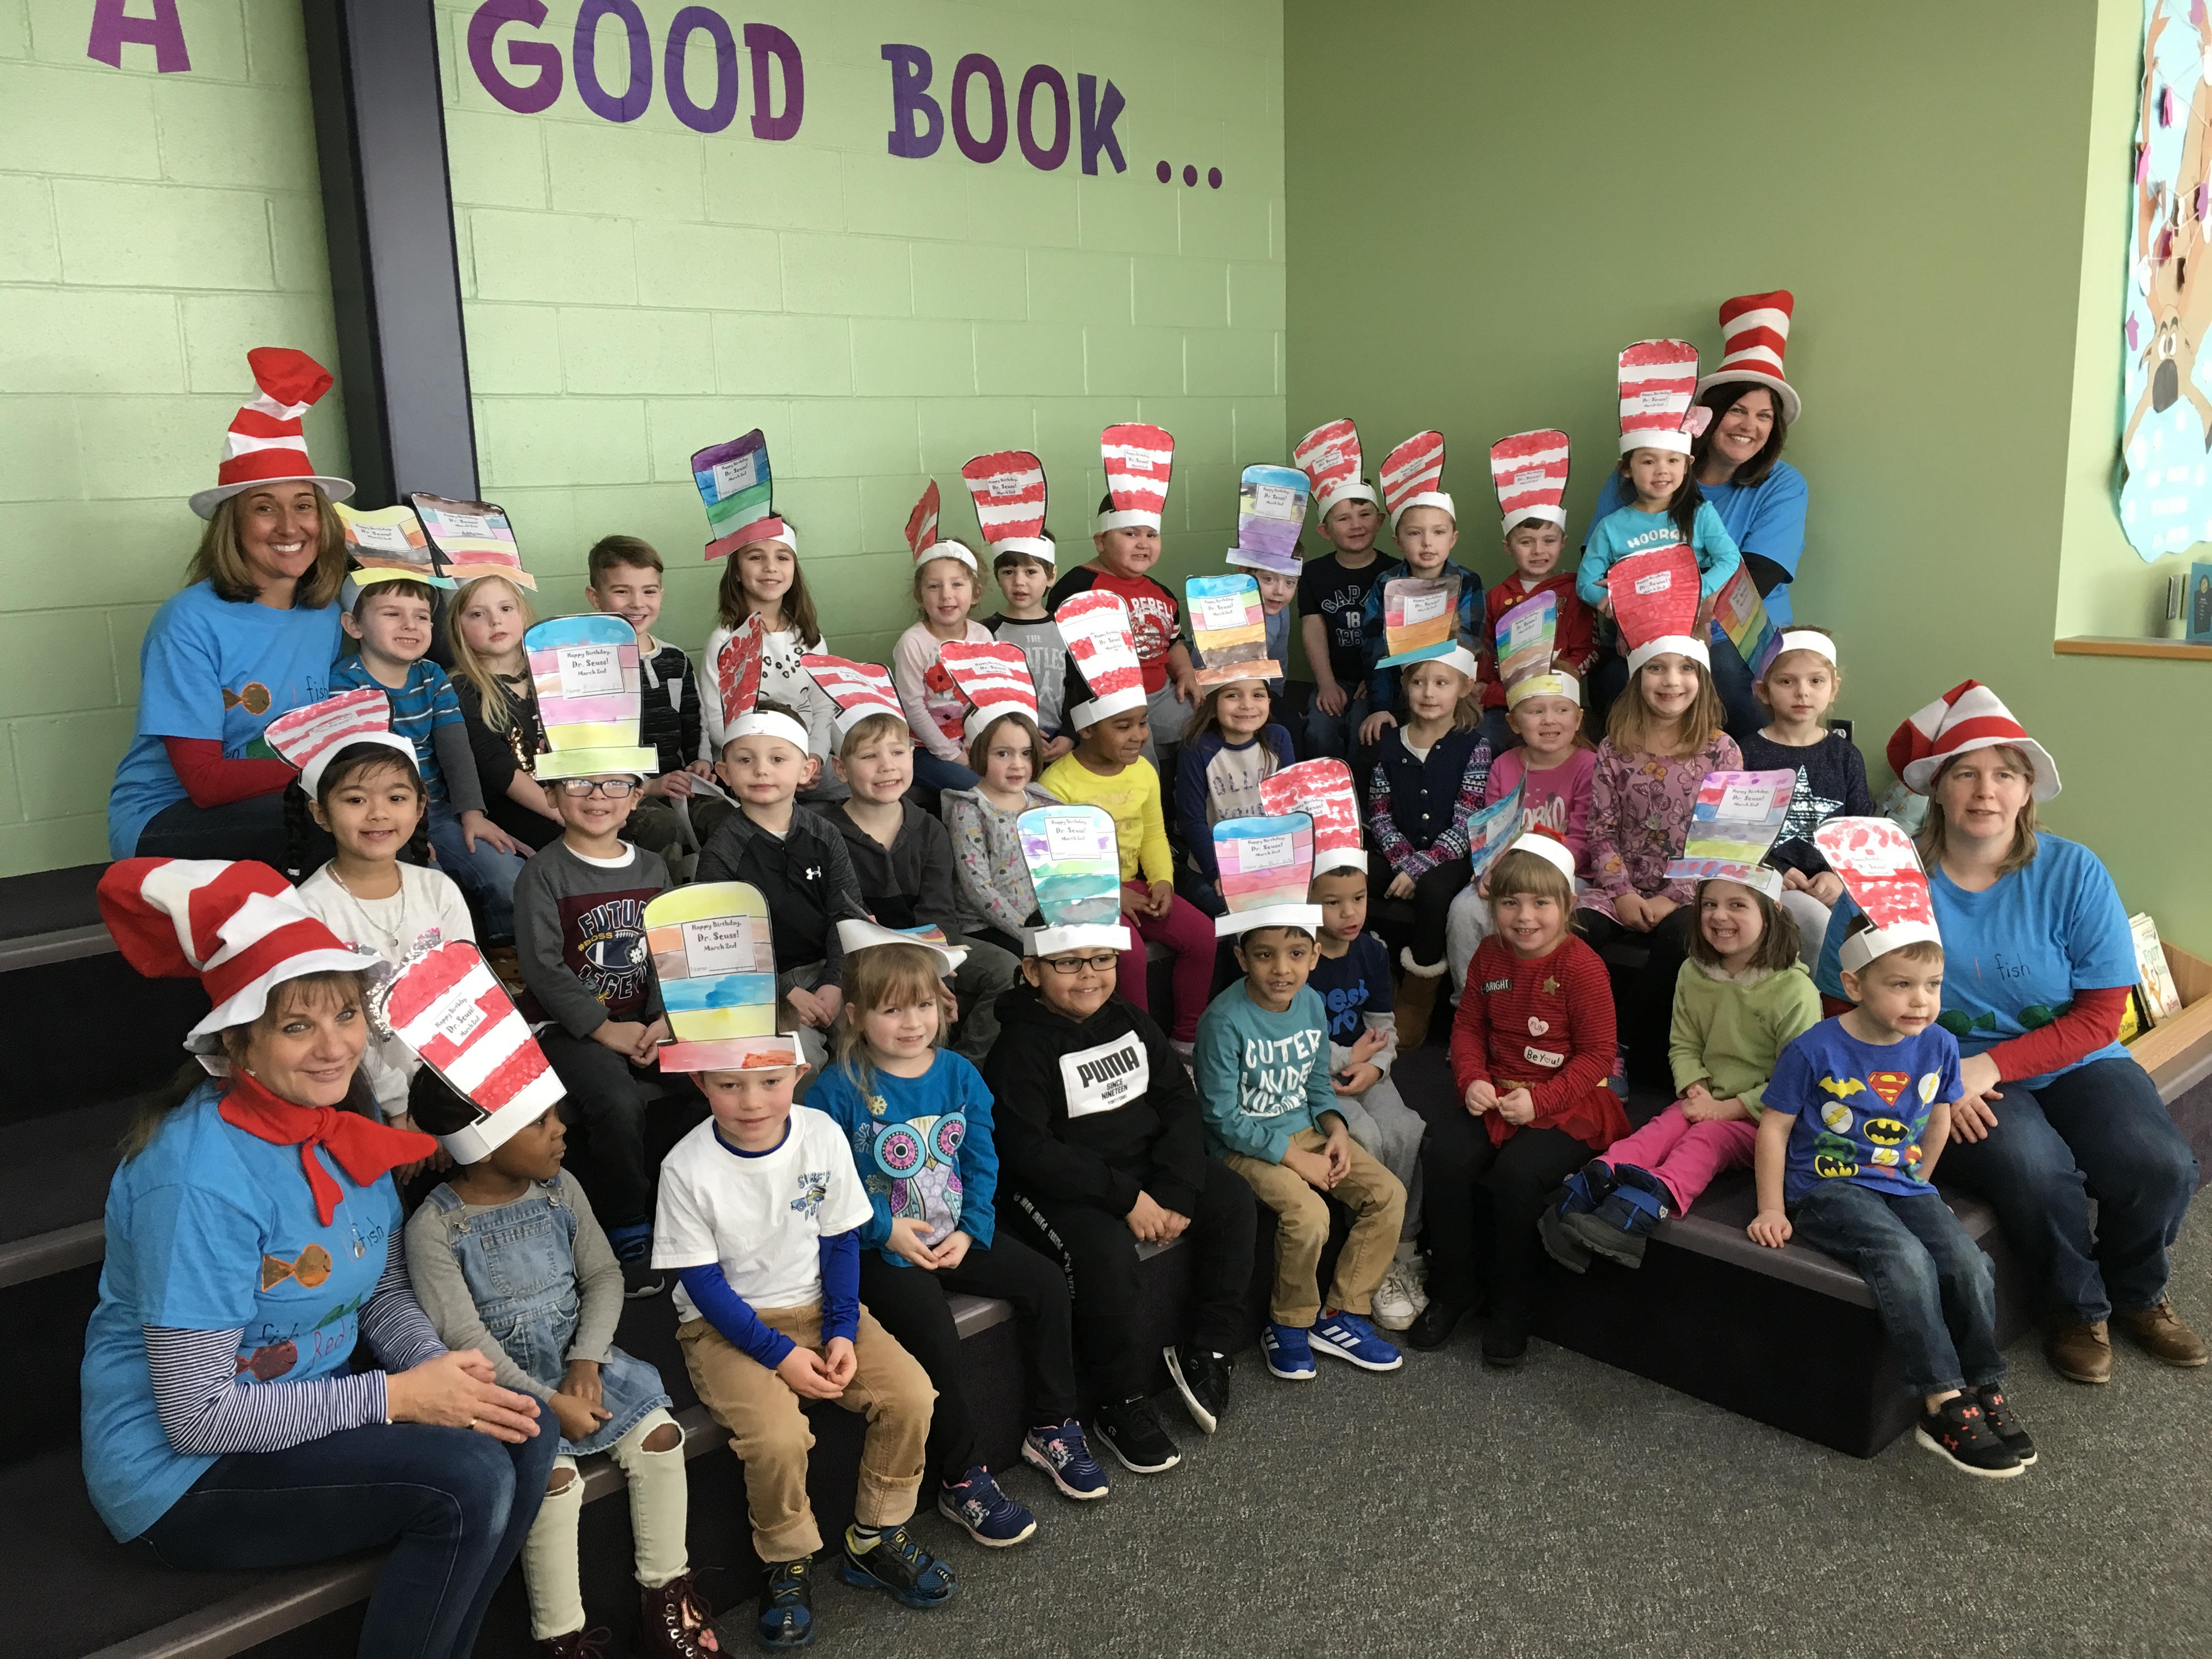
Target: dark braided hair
(344,767)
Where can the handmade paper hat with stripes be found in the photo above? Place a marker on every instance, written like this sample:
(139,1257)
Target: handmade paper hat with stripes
(1525,637)
(1420,623)
(447,1006)
(471,539)
(1880,869)
(1966,717)
(856,934)
(1735,820)
(995,679)
(1412,474)
(239,928)
(1266,866)
(1654,604)
(1754,334)
(1104,677)
(738,489)
(585,672)
(266,444)
(922,534)
(1008,490)
(310,738)
(738,678)
(388,546)
(1075,867)
(1322,789)
(1271,510)
(1530,471)
(1140,460)
(1230,631)
(1329,456)
(1658,379)
(859,690)
(713,955)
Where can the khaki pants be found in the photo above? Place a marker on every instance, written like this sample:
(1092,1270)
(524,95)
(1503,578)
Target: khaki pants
(1302,1229)
(769,1433)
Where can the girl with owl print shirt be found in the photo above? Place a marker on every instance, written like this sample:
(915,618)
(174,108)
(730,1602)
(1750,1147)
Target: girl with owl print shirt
(919,1120)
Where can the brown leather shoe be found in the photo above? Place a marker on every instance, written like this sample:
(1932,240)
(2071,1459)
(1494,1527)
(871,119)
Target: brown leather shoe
(2081,1350)
(2161,1335)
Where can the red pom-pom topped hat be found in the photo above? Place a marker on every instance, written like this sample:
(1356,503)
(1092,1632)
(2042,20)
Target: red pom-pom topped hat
(1966,717)
(1140,460)
(1754,334)
(1008,490)
(1530,471)
(1412,476)
(1658,377)
(266,443)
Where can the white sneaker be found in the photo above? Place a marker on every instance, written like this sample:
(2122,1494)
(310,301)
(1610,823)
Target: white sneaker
(1394,1305)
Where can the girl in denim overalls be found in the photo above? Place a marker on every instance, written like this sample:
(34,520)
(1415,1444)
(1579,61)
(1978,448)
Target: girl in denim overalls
(507,1259)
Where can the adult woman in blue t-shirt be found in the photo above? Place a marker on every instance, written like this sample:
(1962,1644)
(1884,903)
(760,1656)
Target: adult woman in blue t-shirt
(2037,963)
(253,635)
(253,1239)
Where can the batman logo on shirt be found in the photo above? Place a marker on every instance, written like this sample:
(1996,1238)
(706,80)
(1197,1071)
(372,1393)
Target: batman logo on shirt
(1884,1131)
(1829,1167)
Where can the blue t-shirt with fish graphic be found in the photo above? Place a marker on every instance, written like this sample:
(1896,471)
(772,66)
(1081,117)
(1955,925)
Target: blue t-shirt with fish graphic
(1861,1107)
(923,1146)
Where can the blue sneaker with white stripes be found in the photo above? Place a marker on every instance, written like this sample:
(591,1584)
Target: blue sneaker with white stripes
(1347,1336)
(1065,1457)
(993,1519)
(1288,1354)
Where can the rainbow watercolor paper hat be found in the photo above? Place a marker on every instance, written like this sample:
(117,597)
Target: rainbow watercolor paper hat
(585,669)
(1267,867)
(1879,868)
(1075,866)
(449,1008)
(1736,819)
(1420,623)
(1271,510)
(1526,635)
(471,539)
(714,953)
(1231,630)
(387,546)
(1322,789)
(735,484)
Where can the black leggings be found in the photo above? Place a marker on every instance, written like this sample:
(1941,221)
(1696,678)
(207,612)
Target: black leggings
(1479,1206)
(1416,923)
(1647,1009)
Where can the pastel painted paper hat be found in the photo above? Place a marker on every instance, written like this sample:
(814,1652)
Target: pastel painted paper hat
(1266,866)
(1329,456)
(586,673)
(994,677)
(1735,820)
(388,545)
(1658,379)
(1008,490)
(859,690)
(737,679)
(1229,629)
(1322,790)
(1530,471)
(447,1007)
(1104,677)
(1271,510)
(854,933)
(1420,623)
(239,928)
(1754,334)
(1075,867)
(1966,717)
(266,443)
(1140,461)
(471,539)
(1879,868)
(1655,605)
(738,488)
(310,737)
(713,955)
(1413,475)
(1524,638)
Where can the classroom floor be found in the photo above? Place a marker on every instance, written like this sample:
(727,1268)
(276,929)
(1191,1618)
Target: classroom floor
(1571,1509)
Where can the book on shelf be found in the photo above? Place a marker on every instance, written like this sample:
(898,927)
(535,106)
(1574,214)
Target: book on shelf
(2161,998)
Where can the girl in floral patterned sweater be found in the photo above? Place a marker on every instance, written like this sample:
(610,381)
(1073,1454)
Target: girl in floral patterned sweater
(997,898)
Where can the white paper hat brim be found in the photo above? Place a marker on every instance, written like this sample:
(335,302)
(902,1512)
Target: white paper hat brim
(1521,515)
(1355,490)
(1038,547)
(1307,916)
(1680,644)
(756,724)
(1557,853)
(477,1141)
(980,720)
(854,934)
(311,775)
(1128,518)
(1327,859)
(1427,498)
(1859,949)
(1677,441)
(1105,708)
(1077,936)
(206,500)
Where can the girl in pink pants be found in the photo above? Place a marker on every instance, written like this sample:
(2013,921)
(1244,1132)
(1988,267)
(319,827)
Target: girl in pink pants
(1186,930)
(1741,996)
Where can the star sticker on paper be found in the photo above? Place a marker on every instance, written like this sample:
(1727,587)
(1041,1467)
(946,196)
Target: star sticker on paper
(1551,986)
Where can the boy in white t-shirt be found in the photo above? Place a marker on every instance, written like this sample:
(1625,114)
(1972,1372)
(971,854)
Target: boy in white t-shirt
(757,1213)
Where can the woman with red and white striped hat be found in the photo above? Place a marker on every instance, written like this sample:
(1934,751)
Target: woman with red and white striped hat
(2037,963)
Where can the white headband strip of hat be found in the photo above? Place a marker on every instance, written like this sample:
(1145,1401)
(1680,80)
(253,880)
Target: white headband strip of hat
(855,935)
(1808,639)
(1550,848)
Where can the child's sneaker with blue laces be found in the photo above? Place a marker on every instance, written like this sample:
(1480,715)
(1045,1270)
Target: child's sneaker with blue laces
(787,1606)
(1347,1336)
(993,1519)
(1289,1355)
(1065,1457)
(891,1561)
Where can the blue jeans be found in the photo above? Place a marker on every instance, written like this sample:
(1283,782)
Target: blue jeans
(1935,1289)
(453,1505)
(1334,736)
(931,772)
(2099,1131)
(1497,735)
(485,877)
(249,829)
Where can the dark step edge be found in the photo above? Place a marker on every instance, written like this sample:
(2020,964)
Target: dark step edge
(42,1255)
(64,944)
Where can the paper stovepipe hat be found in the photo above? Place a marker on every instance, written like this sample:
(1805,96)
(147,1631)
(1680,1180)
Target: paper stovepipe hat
(1229,629)
(1266,866)
(1140,461)
(1420,623)
(738,678)
(1654,604)
(736,486)
(921,533)
(1008,490)
(448,1008)
(1329,456)
(586,671)
(1271,510)
(266,443)
(1530,471)
(1736,819)
(858,688)
(388,546)
(310,738)
(1879,868)
(1322,790)
(1104,677)
(994,677)
(471,539)
(1657,380)
(1413,475)
(1075,866)
(714,955)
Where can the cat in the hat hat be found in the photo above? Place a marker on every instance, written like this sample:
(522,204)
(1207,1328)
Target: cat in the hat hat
(947,584)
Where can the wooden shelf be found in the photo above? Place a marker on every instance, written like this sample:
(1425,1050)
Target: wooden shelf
(2114,645)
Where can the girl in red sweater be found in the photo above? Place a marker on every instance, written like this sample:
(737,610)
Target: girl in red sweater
(1530,1052)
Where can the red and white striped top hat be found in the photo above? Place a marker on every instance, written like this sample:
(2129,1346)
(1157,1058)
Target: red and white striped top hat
(1968,716)
(1530,471)
(858,688)
(265,443)
(1008,489)
(1754,334)
(1329,456)
(237,928)
(994,677)
(1102,650)
(450,1009)
(1140,460)
(1411,476)
(1654,604)
(922,534)
(1879,868)
(1658,377)
(310,737)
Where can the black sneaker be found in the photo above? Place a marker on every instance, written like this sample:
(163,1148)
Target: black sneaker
(900,1568)
(1433,1326)
(1957,1430)
(786,1608)
(1997,1412)
(1202,1377)
(1136,1437)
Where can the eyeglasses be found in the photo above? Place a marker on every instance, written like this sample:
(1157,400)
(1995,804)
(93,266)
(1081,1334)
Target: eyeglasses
(1072,965)
(612,788)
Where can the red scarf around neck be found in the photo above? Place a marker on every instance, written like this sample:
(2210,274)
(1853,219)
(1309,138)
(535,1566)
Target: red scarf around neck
(364,1150)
